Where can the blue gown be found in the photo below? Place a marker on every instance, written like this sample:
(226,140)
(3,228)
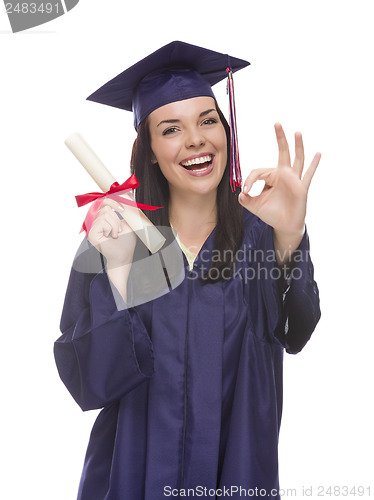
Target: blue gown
(190,383)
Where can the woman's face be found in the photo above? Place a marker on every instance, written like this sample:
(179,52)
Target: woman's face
(189,142)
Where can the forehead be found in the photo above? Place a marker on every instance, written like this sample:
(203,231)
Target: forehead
(179,110)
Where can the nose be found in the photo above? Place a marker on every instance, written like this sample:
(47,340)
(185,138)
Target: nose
(194,138)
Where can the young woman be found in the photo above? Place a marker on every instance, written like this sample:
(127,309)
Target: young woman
(191,382)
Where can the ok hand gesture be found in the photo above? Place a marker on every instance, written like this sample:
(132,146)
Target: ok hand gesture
(282,202)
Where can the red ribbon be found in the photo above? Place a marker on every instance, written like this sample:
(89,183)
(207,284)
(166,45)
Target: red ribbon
(83,199)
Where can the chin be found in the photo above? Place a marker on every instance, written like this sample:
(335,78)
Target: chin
(203,187)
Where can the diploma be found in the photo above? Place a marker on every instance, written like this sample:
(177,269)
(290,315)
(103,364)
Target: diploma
(135,218)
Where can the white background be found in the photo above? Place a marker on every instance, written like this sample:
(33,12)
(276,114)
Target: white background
(312,70)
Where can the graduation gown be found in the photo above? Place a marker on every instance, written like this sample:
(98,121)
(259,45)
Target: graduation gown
(190,383)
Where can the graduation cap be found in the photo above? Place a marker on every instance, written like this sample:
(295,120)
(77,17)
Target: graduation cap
(175,72)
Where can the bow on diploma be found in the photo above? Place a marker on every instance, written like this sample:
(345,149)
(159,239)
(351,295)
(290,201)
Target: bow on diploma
(83,199)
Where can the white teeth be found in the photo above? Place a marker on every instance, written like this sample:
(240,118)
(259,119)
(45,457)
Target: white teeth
(197,161)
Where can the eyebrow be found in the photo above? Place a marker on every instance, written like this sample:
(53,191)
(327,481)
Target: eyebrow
(201,115)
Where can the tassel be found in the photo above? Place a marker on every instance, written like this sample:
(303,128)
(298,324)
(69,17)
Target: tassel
(235,173)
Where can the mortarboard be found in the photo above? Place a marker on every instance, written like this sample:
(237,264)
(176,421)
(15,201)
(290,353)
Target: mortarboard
(172,73)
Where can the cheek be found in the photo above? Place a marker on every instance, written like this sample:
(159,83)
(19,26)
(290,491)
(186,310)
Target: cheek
(223,148)
(165,153)
(164,170)
(225,152)
(220,141)
(166,163)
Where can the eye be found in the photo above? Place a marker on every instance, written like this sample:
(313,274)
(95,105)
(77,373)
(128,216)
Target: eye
(209,121)
(169,131)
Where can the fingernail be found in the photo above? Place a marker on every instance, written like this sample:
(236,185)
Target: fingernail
(120,208)
(245,189)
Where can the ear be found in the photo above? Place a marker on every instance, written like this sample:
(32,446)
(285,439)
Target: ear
(153,159)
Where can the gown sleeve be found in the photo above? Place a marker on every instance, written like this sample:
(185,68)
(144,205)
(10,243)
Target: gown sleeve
(104,352)
(292,300)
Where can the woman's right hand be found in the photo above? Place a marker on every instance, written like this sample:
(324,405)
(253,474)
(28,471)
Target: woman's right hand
(112,236)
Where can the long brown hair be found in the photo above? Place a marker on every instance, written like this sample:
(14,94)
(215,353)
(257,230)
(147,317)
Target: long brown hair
(154,190)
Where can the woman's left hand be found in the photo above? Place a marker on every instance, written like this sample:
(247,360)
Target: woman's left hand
(282,202)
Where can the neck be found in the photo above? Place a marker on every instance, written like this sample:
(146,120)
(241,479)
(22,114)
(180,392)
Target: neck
(194,216)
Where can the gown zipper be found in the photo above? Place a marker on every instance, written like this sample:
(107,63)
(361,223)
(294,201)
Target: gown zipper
(185,380)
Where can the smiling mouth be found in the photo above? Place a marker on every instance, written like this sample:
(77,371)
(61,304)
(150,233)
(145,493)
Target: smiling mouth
(200,164)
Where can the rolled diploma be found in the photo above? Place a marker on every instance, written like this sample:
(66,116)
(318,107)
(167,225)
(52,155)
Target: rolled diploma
(135,218)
